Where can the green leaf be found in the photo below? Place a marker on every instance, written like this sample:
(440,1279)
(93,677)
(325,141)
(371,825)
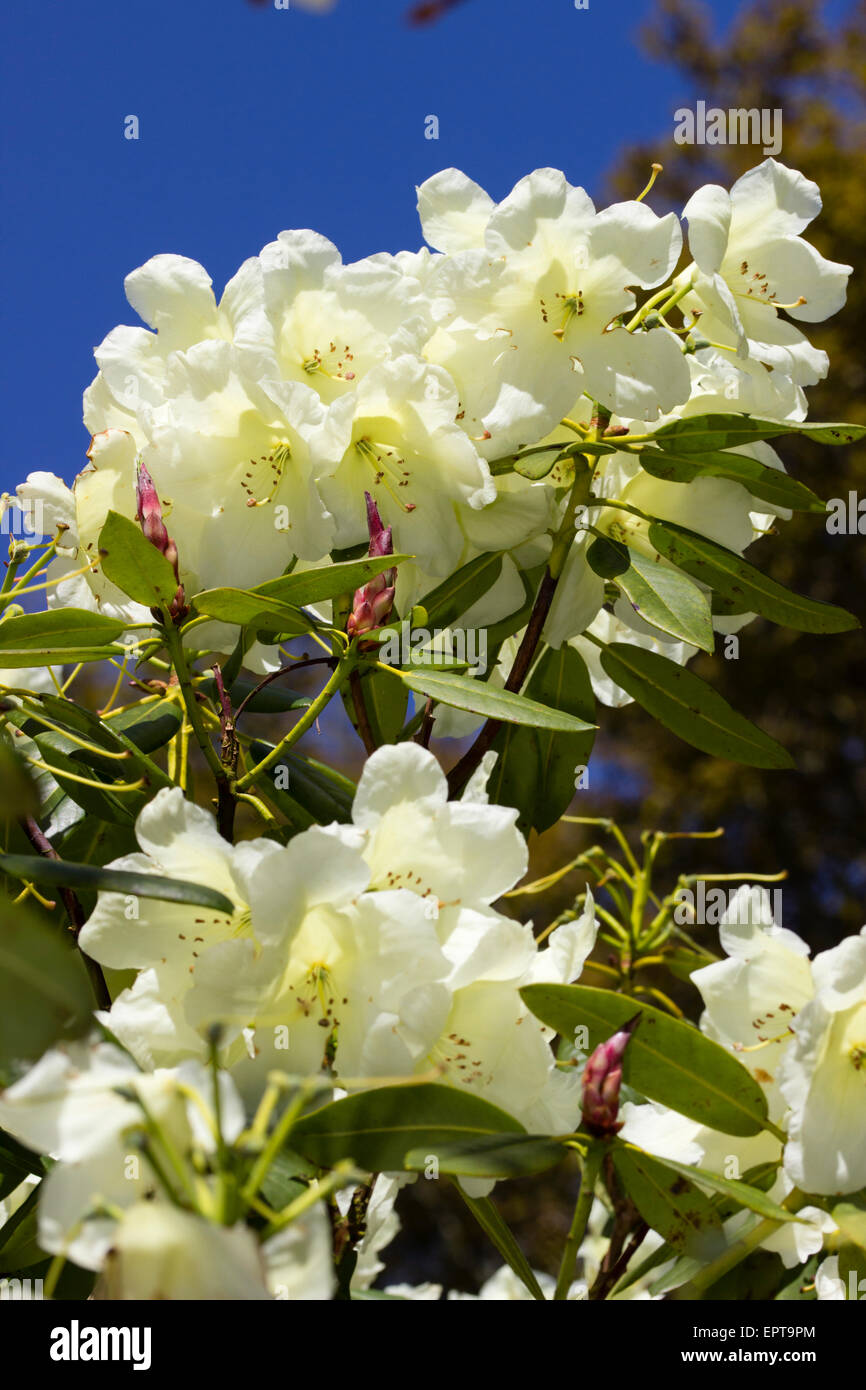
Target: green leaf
(669,1203)
(743,1195)
(536,768)
(386,700)
(710,432)
(377,1128)
(667,599)
(285,1179)
(16,1164)
(492,1156)
(250,609)
(315,793)
(148,727)
(851,1220)
(58,628)
(19,1243)
(491,1222)
(761,1176)
(44,991)
(852,1270)
(61,874)
(759,479)
(736,580)
(608,558)
(480,698)
(131,562)
(16,657)
(692,709)
(112,737)
(516,774)
(457,594)
(66,767)
(315,586)
(667,1060)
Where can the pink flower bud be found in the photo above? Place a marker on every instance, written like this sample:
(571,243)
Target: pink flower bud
(149,516)
(602,1078)
(373,602)
(149,513)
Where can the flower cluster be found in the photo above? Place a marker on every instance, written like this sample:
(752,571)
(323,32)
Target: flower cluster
(264,418)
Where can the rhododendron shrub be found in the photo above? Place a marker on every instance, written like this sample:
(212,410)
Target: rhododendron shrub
(487,490)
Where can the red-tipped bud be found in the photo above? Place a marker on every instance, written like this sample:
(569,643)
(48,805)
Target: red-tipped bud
(602,1079)
(149,516)
(373,602)
(149,513)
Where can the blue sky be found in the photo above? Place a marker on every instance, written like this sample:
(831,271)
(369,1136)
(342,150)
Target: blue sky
(254,119)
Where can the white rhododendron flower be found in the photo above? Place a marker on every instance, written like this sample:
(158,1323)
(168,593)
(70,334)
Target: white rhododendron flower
(525,299)
(750,261)
(828,1284)
(159,1252)
(457,853)
(397,437)
(752,998)
(81,1104)
(823,1075)
(166,941)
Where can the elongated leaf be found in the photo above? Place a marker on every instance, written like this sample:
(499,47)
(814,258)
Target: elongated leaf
(744,1196)
(537,768)
(274,699)
(669,1203)
(668,600)
(741,583)
(58,628)
(148,727)
(516,774)
(315,586)
(131,562)
(386,700)
(111,736)
(59,873)
(709,432)
(308,792)
(692,709)
(492,1156)
(377,1128)
(44,990)
(760,1177)
(99,800)
(481,698)
(666,1060)
(16,1164)
(759,479)
(491,1222)
(19,1244)
(253,610)
(16,657)
(456,595)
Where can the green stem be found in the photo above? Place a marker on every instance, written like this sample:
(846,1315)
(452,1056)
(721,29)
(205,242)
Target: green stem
(174,643)
(308,718)
(589,1178)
